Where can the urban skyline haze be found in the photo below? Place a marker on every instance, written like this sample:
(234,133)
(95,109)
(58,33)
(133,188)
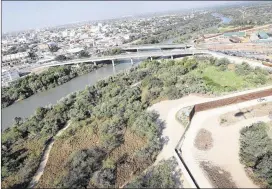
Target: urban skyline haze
(25,15)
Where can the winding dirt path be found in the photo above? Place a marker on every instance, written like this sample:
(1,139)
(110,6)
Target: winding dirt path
(44,160)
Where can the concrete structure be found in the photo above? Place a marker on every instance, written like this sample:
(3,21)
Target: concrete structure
(235,34)
(263,35)
(9,76)
(16,56)
(155,46)
(151,55)
(74,50)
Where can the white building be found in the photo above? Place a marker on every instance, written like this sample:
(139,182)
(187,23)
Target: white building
(14,59)
(9,76)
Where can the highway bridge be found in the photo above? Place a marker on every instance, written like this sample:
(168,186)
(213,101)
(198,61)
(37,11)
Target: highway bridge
(136,48)
(130,56)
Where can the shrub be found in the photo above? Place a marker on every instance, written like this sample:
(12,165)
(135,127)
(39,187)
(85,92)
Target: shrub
(256,151)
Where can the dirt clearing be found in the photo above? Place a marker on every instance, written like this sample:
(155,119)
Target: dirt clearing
(203,140)
(218,176)
(233,117)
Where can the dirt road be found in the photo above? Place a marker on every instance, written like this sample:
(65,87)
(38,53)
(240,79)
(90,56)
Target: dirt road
(44,160)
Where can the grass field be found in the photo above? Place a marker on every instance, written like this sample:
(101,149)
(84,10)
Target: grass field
(220,81)
(224,78)
(223,29)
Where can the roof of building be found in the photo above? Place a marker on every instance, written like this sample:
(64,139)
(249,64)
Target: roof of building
(240,34)
(75,50)
(235,39)
(263,35)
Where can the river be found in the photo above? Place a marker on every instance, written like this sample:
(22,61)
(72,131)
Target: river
(27,107)
(225,20)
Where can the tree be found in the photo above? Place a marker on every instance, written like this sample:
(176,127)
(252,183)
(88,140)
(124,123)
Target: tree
(53,48)
(83,54)
(32,55)
(60,58)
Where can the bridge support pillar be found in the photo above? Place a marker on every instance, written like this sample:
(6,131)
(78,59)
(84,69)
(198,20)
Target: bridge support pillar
(172,57)
(131,61)
(151,58)
(95,64)
(112,61)
(77,65)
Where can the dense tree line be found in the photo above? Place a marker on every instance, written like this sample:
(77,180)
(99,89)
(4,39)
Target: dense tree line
(109,107)
(31,84)
(256,152)
(111,52)
(183,29)
(249,15)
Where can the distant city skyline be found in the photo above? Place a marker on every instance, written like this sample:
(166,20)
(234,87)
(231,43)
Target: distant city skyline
(25,15)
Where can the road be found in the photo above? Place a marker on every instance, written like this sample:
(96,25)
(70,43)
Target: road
(239,60)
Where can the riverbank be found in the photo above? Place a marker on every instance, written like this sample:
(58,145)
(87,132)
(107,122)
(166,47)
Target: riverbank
(32,84)
(53,95)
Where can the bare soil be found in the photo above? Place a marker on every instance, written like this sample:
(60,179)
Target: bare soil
(217,176)
(203,140)
(259,110)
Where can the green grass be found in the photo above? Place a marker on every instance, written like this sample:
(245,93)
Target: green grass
(221,81)
(223,29)
(223,78)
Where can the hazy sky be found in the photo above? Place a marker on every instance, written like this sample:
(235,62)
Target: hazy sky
(36,14)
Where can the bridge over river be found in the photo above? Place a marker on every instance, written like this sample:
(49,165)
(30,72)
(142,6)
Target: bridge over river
(155,54)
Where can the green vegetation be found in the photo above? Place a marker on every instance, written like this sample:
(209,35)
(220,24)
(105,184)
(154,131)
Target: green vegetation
(253,14)
(256,153)
(110,109)
(219,78)
(163,175)
(185,29)
(111,52)
(31,84)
